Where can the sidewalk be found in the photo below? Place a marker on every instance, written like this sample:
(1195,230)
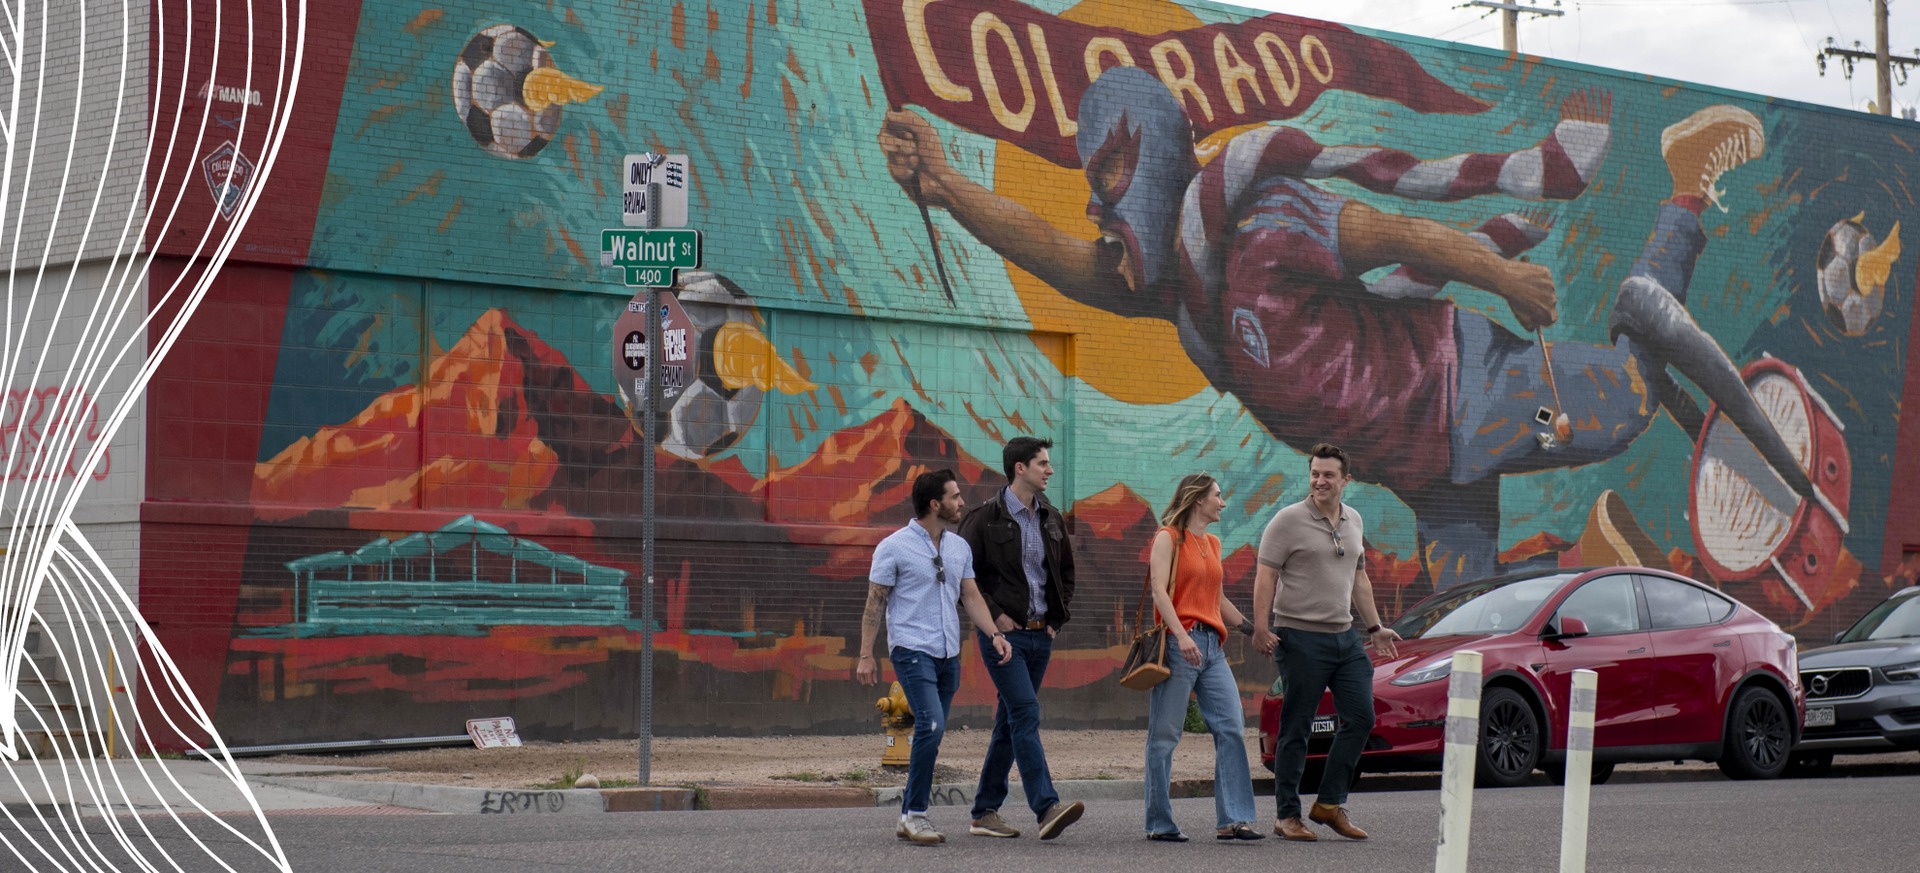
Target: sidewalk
(283,787)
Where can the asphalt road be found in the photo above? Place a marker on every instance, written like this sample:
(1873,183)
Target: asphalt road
(1791,825)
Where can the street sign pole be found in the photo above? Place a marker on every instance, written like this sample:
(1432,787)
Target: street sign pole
(649,258)
(652,418)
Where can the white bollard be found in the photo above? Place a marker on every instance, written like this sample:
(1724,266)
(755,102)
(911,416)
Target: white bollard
(1577,801)
(1456,769)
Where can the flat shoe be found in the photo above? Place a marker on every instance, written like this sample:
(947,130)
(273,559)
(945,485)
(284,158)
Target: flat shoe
(1240,831)
(1174,837)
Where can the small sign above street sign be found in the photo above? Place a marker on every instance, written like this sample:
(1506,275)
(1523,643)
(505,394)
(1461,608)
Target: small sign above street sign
(654,190)
(649,257)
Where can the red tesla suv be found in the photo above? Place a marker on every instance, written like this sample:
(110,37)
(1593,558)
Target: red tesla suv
(1684,672)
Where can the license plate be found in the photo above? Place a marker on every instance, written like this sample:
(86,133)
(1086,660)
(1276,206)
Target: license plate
(1323,724)
(1819,716)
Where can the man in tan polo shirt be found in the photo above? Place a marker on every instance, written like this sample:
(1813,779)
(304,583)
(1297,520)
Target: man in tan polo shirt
(1312,554)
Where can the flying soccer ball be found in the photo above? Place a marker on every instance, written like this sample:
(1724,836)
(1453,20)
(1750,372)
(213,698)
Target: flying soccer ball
(508,92)
(1852,270)
(709,416)
(730,366)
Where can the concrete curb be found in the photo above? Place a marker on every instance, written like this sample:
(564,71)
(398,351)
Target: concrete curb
(648,799)
(452,799)
(460,800)
(783,797)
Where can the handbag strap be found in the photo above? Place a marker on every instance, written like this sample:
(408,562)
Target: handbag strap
(1146,588)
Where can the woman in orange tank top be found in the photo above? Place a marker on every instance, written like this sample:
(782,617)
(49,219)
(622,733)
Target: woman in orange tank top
(1196,613)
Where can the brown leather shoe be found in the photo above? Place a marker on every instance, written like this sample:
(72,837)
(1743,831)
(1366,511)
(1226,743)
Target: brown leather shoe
(1335,817)
(1293,828)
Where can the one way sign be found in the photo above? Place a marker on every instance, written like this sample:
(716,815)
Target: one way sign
(654,190)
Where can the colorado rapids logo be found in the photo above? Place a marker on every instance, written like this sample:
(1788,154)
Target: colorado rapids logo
(228,174)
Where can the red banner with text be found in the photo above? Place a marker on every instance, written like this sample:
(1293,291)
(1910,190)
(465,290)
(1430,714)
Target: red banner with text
(1006,70)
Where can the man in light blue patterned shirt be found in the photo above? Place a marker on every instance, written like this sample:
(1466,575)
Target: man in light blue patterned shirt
(919,572)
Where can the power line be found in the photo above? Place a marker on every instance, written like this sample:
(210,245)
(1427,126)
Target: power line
(1886,64)
(1510,12)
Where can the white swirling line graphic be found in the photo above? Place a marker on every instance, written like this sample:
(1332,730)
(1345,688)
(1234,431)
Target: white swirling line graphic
(96,623)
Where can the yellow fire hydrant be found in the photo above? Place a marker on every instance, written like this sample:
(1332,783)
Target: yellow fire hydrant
(896,718)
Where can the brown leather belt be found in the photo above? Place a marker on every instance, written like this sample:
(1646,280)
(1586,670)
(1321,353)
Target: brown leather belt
(1036,625)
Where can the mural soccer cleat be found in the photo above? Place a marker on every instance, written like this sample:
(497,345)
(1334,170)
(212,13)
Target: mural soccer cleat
(1708,143)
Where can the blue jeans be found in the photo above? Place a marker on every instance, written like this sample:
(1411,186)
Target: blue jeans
(929,683)
(1309,664)
(1016,725)
(1212,683)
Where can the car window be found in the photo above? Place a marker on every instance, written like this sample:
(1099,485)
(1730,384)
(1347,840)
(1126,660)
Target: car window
(1674,604)
(1718,608)
(1489,608)
(1894,618)
(1606,604)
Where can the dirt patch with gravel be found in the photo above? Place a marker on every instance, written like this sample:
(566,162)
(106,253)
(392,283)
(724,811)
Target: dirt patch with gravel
(824,760)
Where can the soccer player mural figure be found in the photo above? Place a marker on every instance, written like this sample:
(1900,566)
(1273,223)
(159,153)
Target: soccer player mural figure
(1260,271)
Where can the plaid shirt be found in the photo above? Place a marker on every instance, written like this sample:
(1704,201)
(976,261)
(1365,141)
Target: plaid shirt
(1033,554)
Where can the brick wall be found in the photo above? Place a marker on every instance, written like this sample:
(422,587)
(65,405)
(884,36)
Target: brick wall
(444,349)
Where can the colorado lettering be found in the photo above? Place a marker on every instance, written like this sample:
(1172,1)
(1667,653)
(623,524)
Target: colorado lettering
(1006,70)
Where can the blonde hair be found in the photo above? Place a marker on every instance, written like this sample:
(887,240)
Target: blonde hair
(1190,492)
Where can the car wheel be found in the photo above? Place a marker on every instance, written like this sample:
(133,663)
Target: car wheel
(1758,737)
(1510,740)
(1601,772)
(1806,765)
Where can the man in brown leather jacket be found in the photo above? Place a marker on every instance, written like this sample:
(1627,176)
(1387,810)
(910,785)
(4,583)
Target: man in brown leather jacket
(1023,563)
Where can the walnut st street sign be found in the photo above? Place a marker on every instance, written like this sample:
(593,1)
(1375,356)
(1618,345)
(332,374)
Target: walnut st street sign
(649,257)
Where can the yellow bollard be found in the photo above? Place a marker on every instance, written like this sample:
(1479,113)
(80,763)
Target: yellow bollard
(896,718)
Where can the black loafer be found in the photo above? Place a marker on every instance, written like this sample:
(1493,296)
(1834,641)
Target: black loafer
(1174,837)
(1240,831)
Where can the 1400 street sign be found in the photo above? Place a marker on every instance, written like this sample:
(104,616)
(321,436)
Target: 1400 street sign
(649,257)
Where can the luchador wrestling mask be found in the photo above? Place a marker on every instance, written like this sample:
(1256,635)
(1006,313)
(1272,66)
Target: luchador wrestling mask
(1137,147)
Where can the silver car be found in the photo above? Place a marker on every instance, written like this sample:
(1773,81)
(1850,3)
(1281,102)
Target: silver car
(1863,692)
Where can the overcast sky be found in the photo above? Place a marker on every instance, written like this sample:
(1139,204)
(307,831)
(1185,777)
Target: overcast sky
(1763,46)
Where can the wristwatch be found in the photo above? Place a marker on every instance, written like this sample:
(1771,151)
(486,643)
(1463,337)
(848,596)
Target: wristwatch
(1373,630)
(1245,626)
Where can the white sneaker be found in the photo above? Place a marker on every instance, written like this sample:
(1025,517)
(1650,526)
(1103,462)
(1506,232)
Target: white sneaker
(919,830)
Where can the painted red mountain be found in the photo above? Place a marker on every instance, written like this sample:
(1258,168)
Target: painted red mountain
(503,425)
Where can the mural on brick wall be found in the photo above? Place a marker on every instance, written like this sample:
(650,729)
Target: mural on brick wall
(1561,317)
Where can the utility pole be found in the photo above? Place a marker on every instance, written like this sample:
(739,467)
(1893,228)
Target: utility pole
(1885,64)
(1510,19)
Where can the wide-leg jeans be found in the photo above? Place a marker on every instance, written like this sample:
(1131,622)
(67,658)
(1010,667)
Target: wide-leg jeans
(1212,685)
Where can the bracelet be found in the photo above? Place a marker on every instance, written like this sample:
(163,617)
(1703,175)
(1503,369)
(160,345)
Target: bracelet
(1373,630)
(1245,626)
